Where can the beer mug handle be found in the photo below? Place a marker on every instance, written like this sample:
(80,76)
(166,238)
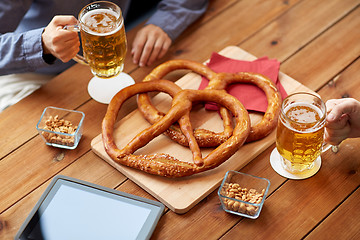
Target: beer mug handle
(334,148)
(78,58)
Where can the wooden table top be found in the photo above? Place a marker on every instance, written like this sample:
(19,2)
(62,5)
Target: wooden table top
(317,43)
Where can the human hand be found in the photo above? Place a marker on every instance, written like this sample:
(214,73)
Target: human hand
(62,44)
(342,121)
(151,43)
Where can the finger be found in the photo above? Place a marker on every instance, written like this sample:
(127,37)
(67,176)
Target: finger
(330,104)
(337,123)
(64,20)
(333,137)
(148,48)
(160,49)
(67,51)
(165,48)
(60,44)
(64,37)
(155,52)
(137,47)
(338,109)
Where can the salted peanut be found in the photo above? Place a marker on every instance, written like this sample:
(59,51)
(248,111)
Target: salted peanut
(54,123)
(235,206)
(233,190)
(242,206)
(230,204)
(251,210)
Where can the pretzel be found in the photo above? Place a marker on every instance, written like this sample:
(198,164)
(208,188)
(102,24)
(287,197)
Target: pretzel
(163,164)
(205,138)
(269,120)
(219,81)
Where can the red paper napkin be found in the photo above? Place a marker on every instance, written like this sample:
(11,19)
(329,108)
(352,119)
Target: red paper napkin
(250,95)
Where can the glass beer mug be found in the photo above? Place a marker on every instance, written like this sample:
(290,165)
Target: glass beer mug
(104,44)
(300,132)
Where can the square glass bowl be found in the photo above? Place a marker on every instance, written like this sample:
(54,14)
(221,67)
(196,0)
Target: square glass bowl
(60,127)
(243,194)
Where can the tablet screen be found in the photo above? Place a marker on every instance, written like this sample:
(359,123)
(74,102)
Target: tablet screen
(75,211)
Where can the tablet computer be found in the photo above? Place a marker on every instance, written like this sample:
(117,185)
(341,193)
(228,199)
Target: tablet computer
(74,209)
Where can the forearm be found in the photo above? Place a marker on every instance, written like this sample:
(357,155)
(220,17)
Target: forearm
(21,52)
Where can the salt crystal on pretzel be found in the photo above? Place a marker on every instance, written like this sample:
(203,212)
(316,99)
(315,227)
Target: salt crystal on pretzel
(219,81)
(163,164)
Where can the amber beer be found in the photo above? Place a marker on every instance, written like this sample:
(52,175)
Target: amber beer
(103,38)
(300,131)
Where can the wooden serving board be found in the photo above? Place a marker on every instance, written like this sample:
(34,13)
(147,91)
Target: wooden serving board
(180,195)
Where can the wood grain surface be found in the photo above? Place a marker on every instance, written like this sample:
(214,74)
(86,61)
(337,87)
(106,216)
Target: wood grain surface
(180,195)
(317,43)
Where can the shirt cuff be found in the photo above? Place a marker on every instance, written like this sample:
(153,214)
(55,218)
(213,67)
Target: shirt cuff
(32,48)
(49,58)
(171,24)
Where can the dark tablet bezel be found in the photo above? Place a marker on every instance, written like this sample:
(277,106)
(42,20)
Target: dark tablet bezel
(156,208)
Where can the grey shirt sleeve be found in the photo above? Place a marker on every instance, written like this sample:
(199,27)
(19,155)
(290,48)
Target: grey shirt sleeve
(19,52)
(174,16)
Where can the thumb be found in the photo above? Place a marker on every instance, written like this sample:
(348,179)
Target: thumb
(61,21)
(337,120)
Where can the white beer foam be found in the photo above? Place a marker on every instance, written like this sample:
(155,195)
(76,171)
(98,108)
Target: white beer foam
(99,11)
(312,129)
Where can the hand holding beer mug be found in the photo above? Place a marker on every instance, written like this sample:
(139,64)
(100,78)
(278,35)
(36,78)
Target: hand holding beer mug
(299,136)
(104,44)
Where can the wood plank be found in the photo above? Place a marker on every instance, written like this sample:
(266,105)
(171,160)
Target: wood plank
(336,177)
(312,198)
(214,222)
(343,223)
(252,15)
(344,84)
(215,7)
(347,215)
(88,168)
(191,189)
(210,220)
(297,27)
(27,112)
(54,94)
(34,163)
(229,27)
(327,55)
(58,90)
(208,214)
